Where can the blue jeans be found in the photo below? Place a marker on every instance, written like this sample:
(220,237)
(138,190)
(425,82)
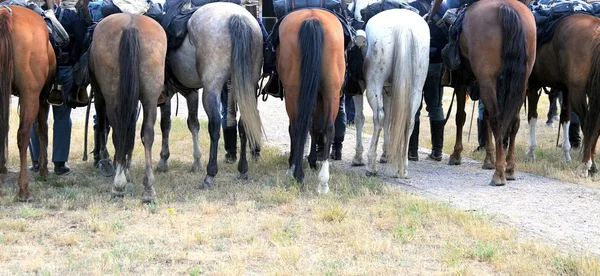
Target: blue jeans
(452,4)
(350,110)
(62,123)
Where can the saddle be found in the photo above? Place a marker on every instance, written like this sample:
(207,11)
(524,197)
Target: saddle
(145,7)
(549,13)
(58,36)
(177,14)
(274,86)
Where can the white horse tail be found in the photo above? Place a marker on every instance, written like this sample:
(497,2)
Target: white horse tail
(242,78)
(407,83)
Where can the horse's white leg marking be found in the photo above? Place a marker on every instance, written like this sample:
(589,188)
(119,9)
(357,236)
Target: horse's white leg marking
(566,146)
(324,178)
(120,181)
(532,138)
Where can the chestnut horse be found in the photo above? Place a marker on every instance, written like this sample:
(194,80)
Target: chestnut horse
(127,64)
(571,63)
(310,62)
(27,69)
(498,46)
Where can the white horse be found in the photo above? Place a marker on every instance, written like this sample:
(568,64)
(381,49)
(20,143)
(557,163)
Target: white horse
(396,57)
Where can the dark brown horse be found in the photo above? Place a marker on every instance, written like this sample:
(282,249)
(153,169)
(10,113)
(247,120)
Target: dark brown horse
(27,69)
(571,62)
(310,61)
(498,46)
(127,63)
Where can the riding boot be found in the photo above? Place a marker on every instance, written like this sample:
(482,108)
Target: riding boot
(413,143)
(437,139)
(481,135)
(574,135)
(336,148)
(230,138)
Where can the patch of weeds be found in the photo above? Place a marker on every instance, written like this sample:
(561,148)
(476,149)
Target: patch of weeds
(152,207)
(200,238)
(454,254)
(286,235)
(19,225)
(220,246)
(571,265)
(67,193)
(483,251)
(280,195)
(404,232)
(118,226)
(290,254)
(333,213)
(28,212)
(195,271)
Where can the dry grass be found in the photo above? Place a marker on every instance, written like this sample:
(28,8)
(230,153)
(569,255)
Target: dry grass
(268,225)
(548,162)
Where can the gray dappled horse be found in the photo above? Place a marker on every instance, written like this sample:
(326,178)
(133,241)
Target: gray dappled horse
(127,61)
(223,42)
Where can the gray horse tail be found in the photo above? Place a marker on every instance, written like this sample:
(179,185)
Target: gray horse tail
(129,90)
(6,78)
(242,78)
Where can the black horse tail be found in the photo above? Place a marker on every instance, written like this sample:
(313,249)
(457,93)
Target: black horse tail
(6,78)
(129,89)
(511,82)
(591,122)
(311,38)
(243,75)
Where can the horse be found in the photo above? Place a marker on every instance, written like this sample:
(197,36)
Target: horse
(498,48)
(395,68)
(571,63)
(311,66)
(127,61)
(27,70)
(223,42)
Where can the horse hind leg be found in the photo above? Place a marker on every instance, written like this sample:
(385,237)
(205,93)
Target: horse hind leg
(323,187)
(387,101)
(149,194)
(359,121)
(165,128)
(532,115)
(373,93)
(29,100)
(194,127)
(565,121)
(510,158)
(455,157)
(210,100)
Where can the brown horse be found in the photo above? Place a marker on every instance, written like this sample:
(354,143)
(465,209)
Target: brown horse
(127,63)
(310,61)
(27,69)
(571,63)
(498,46)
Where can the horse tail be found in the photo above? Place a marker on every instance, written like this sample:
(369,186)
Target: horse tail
(310,37)
(405,81)
(591,123)
(242,78)
(512,79)
(6,78)
(129,89)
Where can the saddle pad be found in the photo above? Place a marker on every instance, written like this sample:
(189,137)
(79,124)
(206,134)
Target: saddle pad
(283,7)
(377,7)
(132,6)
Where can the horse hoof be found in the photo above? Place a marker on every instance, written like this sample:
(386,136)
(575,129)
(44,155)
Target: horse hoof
(357,163)
(488,166)
(207,183)
(323,189)
(370,173)
(383,159)
(531,155)
(106,168)
(495,182)
(454,162)
(582,171)
(510,175)
(243,176)
(23,199)
(149,196)
(162,166)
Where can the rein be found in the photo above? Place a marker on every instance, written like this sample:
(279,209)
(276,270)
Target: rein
(450,108)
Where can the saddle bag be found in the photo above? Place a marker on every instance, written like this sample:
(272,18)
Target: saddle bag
(451,55)
(355,60)
(81,71)
(375,8)
(351,87)
(283,7)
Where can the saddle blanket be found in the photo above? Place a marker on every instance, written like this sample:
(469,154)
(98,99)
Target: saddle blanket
(548,14)
(377,7)
(283,7)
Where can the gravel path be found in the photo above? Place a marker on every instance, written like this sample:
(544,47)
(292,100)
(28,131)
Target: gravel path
(561,213)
